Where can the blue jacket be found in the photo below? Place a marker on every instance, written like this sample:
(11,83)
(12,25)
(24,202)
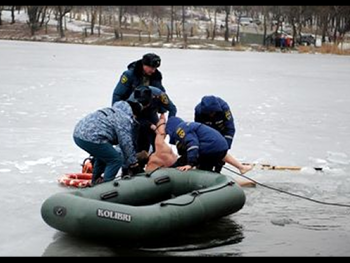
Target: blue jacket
(161,103)
(114,125)
(194,138)
(222,120)
(133,78)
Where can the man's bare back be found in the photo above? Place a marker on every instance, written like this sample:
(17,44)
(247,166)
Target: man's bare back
(163,155)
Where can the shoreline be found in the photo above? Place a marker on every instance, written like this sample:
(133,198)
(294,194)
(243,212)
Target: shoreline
(20,32)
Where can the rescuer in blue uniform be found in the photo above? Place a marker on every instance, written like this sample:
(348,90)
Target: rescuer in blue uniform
(143,72)
(203,146)
(215,112)
(154,102)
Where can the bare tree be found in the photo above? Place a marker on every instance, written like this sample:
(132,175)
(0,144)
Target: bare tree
(342,17)
(143,13)
(171,27)
(184,33)
(99,20)
(157,16)
(118,27)
(292,17)
(13,7)
(1,7)
(61,12)
(238,13)
(265,14)
(216,10)
(34,13)
(43,16)
(93,12)
(227,10)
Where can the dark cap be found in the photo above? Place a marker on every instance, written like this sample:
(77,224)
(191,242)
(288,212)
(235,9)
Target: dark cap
(151,60)
(143,95)
(136,107)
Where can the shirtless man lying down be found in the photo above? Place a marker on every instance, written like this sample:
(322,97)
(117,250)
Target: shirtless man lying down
(163,156)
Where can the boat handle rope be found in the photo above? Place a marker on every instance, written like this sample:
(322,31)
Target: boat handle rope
(286,192)
(149,174)
(198,193)
(162,180)
(108,195)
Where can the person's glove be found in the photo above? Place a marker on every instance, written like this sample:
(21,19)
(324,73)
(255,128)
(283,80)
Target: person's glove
(135,168)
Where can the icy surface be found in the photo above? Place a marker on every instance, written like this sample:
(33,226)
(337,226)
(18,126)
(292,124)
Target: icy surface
(289,109)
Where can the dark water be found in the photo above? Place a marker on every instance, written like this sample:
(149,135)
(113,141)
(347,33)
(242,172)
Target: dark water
(218,233)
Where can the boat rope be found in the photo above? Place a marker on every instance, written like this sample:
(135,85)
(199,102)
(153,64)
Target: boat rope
(286,192)
(197,193)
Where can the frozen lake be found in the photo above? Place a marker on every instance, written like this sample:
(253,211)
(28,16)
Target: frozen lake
(289,109)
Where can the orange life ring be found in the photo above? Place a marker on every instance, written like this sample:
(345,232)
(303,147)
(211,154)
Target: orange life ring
(79,180)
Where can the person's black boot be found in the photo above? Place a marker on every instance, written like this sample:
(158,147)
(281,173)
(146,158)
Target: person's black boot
(125,172)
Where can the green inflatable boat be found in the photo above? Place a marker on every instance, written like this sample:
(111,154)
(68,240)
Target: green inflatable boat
(146,206)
